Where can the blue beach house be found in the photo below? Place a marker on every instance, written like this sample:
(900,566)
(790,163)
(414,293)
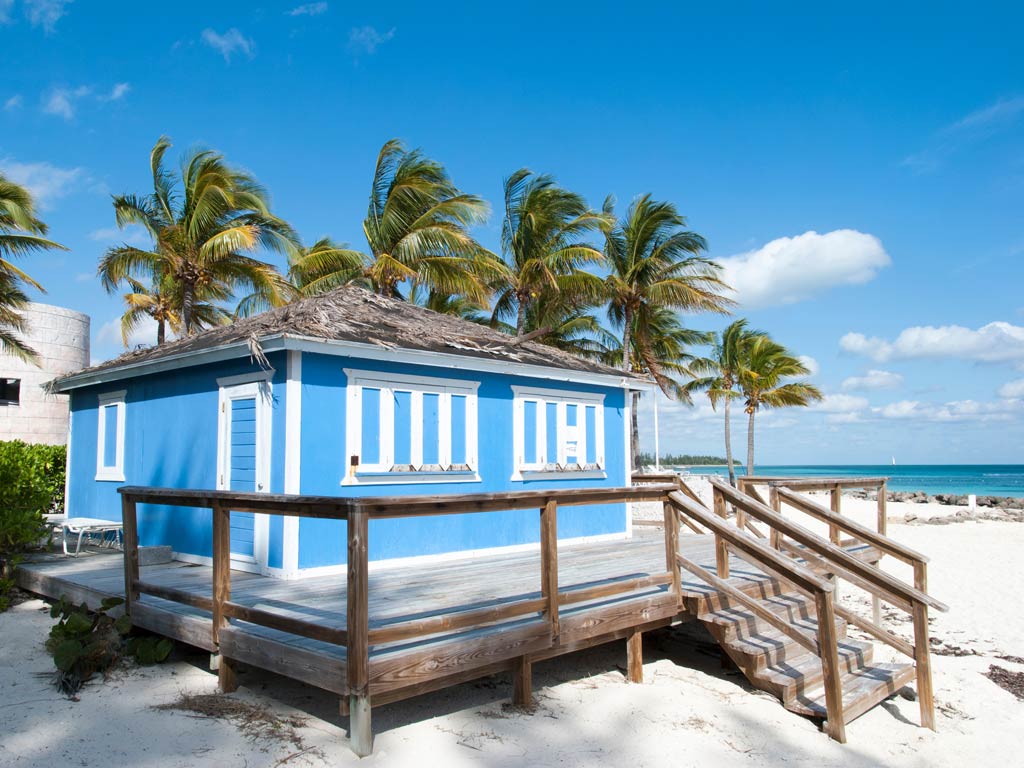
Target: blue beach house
(348,394)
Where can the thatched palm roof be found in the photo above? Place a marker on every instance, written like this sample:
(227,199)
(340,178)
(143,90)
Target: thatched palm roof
(353,314)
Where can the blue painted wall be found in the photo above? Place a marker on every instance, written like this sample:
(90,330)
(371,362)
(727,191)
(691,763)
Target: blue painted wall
(323,542)
(171,441)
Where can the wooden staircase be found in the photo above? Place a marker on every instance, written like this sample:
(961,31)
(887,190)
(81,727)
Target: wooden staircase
(784,628)
(774,662)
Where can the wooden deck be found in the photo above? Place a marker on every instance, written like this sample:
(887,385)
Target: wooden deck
(761,584)
(400,595)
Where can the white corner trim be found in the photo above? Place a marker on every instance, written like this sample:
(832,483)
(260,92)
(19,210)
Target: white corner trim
(292,461)
(628,429)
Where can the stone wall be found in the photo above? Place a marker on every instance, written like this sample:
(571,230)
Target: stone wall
(61,337)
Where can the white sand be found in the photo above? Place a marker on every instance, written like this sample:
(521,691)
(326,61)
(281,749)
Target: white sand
(688,712)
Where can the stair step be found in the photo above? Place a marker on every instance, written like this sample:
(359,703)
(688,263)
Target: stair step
(862,690)
(701,598)
(735,619)
(765,646)
(794,677)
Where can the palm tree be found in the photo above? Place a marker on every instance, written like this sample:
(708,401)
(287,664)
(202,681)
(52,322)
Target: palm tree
(324,266)
(161,302)
(766,383)
(21,233)
(542,238)
(203,223)
(655,262)
(720,373)
(417,228)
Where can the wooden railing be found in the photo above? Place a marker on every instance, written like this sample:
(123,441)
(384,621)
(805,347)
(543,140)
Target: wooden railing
(832,558)
(358,636)
(732,538)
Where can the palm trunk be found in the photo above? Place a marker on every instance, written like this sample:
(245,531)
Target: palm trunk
(634,429)
(627,337)
(728,442)
(750,445)
(187,296)
(161,331)
(521,316)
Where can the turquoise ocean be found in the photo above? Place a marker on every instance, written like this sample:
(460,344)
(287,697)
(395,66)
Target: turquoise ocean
(982,479)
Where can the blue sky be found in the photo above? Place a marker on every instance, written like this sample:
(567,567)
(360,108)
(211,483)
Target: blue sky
(860,175)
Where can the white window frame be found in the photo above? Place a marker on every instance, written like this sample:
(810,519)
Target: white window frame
(113,472)
(381,473)
(539,470)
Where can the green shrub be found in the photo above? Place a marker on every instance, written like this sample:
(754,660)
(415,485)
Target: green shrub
(31,485)
(84,643)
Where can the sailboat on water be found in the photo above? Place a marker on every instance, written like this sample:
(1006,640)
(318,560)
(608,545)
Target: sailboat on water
(894,461)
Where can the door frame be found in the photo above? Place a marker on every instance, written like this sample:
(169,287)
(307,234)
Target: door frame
(241,388)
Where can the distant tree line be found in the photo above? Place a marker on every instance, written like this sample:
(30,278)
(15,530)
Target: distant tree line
(671,460)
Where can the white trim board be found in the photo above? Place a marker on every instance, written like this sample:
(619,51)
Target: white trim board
(113,472)
(278,342)
(292,460)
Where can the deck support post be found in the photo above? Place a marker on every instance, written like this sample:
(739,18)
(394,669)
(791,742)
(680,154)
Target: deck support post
(923,666)
(721,548)
(549,565)
(522,682)
(357,660)
(226,677)
(635,656)
(130,534)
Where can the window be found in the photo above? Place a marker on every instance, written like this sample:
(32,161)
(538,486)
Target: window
(410,429)
(557,434)
(10,391)
(110,437)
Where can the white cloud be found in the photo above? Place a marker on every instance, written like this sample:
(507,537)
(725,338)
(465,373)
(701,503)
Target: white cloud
(13,103)
(118,92)
(840,403)
(308,9)
(367,39)
(132,234)
(5,11)
(143,335)
(792,269)
(46,13)
(874,379)
(228,43)
(84,277)
(60,103)
(957,410)
(993,343)
(810,364)
(46,182)
(972,128)
(1012,389)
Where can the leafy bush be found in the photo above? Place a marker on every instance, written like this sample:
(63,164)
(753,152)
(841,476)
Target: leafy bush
(84,643)
(31,485)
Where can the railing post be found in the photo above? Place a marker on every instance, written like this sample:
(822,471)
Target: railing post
(222,591)
(549,564)
(672,548)
(830,669)
(357,660)
(882,501)
(776,504)
(837,505)
(741,516)
(923,665)
(129,521)
(721,549)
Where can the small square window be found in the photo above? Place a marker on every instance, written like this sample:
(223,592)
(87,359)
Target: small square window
(10,391)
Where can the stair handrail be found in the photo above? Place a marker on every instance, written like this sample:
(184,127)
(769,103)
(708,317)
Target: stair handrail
(641,478)
(826,646)
(868,577)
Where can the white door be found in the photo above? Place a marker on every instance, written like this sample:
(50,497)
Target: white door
(243,464)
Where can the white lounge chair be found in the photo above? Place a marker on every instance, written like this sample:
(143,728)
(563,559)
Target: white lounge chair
(88,526)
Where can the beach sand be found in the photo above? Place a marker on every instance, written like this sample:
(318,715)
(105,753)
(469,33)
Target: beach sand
(688,712)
